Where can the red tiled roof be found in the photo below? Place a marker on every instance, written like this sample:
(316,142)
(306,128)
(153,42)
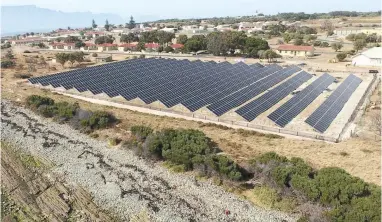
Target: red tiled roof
(89,44)
(295,48)
(151,45)
(62,44)
(107,45)
(177,46)
(128,45)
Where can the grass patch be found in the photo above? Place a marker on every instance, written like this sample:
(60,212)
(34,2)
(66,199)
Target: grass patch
(176,168)
(269,198)
(246,133)
(366,151)
(113,141)
(344,153)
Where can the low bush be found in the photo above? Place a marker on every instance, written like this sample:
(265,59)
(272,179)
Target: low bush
(94,54)
(22,75)
(224,166)
(348,198)
(27,51)
(98,120)
(7,64)
(141,132)
(142,56)
(34,101)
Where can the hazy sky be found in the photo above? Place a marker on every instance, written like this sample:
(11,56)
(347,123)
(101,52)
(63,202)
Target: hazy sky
(200,8)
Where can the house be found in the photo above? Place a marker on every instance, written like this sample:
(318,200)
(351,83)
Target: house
(56,45)
(152,46)
(295,50)
(107,47)
(177,46)
(127,46)
(27,41)
(69,46)
(89,46)
(370,57)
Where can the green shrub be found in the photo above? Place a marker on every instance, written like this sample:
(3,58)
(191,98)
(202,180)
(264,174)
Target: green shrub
(113,141)
(225,166)
(269,156)
(34,101)
(7,64)
(142,56)
(27,51)
(338,187)
(141,132)
(98,120)
(181,146)
(22,75)
(65,110)
(341,56)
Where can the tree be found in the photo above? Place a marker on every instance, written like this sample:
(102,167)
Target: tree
(79,44)
(337,46)
(71,39)
(9,55)
(324,44)
(309,38)
(270,55)
(168,49)
(107,26)
(160,49)
(141,46)
(287,37)
(62,58)
(341,56)
(104,39)
(131,24)
(94,25)
(359,44)
(129,38)
(164,37)
(298,42)
(182,39)
(216,44)
(327,26)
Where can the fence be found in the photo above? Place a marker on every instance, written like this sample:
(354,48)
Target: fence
(361,107)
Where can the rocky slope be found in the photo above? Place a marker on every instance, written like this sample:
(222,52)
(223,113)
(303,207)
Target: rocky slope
(121,182)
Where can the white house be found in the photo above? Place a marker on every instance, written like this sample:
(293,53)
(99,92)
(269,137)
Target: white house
(370,57)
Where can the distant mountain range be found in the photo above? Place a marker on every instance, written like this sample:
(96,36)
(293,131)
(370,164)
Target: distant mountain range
(29,18)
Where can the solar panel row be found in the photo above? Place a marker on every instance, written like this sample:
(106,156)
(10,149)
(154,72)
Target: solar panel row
(239,97)
(324,115)
(289,110)
(253,109)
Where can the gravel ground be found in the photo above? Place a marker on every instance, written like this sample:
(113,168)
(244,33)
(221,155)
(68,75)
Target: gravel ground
(120,181)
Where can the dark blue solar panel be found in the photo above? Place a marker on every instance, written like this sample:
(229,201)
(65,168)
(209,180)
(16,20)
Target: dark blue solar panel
(253,109)
(285,113)
(325,114)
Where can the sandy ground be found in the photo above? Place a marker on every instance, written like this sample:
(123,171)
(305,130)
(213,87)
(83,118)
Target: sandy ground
(359,156)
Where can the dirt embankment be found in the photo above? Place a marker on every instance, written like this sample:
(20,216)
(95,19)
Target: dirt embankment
(121,182)
(31,192)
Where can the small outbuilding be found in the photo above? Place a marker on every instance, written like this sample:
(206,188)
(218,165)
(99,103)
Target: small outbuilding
(295,50)
(370,57)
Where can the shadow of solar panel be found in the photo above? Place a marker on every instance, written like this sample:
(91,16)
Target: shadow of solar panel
(253,109)
(285,113)
(325,114)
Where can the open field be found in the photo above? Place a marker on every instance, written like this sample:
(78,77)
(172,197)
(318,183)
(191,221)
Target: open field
(360,156)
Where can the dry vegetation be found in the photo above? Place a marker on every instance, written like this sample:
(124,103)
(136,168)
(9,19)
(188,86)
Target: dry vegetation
(362,157)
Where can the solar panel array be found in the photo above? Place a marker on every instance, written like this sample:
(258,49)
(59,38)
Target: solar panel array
(289,110)
(253,109)
(220,87)
(324,115)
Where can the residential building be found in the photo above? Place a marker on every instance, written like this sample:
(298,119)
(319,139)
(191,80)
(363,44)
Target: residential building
(107,47)
(89,46)
(295,50)
(27,41)
(127,46)
(370,57)
(57,45)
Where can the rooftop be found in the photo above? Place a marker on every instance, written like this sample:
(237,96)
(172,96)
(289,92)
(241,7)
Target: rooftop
(374,53)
